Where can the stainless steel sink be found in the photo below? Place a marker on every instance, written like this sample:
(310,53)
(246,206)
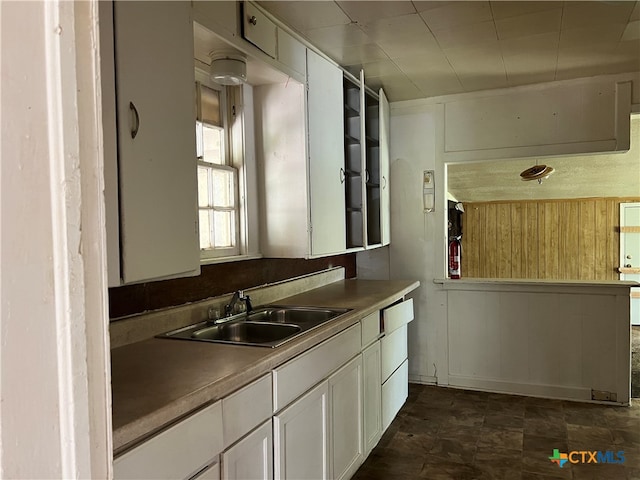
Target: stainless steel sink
(246,332)
(268,326)
(296,315)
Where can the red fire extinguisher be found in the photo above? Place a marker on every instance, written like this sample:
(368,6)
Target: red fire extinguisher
(455,251)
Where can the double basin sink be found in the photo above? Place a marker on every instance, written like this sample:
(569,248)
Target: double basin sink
(268,326)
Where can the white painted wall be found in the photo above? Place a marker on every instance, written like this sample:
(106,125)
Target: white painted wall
(54,382)
(552,339)
(418,136)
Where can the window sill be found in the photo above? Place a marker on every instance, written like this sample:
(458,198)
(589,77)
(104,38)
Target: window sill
(234,258)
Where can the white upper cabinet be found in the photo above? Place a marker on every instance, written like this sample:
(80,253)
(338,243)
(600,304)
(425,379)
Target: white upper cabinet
(366,138)
(300,153)
(326,156)
(258,29)
(156,139)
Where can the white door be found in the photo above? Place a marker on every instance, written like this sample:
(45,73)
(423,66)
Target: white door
(156,139)
(630,253)
(326,156)
(252,457)
(372,396)
(301,437)
(345,396)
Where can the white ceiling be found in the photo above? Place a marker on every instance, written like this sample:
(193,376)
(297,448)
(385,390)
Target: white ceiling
(428,48)
(605,175)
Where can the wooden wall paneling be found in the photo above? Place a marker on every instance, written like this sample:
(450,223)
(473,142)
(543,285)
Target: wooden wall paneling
(517,259)
(542,262)
(601,255)
(489,252)
(613,225)
(481,212)
(587,240)
(569,245)
(503,237)
(575,239)
(530,240)
(470,241)
(551,242)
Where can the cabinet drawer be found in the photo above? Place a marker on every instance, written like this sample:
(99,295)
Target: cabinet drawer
(244,410)
(178,452)
(370,328)
(259,29)
(300,374)
(398,315)
(394,351)
(394,393)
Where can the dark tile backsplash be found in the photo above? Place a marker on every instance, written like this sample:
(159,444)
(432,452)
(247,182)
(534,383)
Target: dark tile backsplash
(217,280)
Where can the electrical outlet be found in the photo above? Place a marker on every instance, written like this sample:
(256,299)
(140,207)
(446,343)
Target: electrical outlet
(600,395)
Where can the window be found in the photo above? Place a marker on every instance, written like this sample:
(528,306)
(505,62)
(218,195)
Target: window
(218,185)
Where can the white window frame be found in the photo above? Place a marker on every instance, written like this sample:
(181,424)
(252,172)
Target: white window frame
(240,155)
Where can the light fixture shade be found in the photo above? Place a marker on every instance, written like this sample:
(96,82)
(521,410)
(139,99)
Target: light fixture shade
(228,69)
(537,172)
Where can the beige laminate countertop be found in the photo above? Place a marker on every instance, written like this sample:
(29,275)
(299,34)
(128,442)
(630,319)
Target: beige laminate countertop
(157,381)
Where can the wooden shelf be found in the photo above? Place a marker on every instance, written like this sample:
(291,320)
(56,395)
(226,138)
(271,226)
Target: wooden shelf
(350,112)
(630,229)
(349,140)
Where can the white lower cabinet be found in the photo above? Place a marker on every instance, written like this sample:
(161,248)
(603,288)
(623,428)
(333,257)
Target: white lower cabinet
(252,457)
(345,406)
(394,393)
(301,440)
(314,417)
(372,396)
(181,451)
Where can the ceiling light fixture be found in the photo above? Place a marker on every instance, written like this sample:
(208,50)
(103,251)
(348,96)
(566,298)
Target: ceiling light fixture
(537,172)
(228,68)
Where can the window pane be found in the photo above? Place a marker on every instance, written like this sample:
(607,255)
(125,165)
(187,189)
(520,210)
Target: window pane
(205,229)
(203,187)
(212,138)
(210,106)
(223,186)
(224,229)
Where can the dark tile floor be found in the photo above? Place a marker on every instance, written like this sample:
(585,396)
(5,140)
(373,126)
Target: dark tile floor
(443,433)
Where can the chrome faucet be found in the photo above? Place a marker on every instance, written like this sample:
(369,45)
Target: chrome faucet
(237,296)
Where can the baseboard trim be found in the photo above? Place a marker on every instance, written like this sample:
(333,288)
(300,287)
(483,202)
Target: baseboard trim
(423,379)
(533,390)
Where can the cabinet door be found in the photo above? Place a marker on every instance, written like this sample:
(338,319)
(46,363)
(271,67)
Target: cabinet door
(394,393)
(372,396)
(301,441)
(345,397)
(326,156)
(156,139)
(251,458)
(259,29)
(385,205)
